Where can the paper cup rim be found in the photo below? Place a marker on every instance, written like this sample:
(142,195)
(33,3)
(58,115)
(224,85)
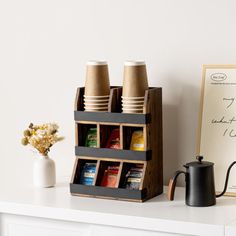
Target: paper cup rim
(130,109)
(96,97)
(137,101)
(95,100)
(132,98)
(130,105)
(95,105)
(95,108)
(99,102)
(96,63)
(96,111)
(132,112)
(134,63)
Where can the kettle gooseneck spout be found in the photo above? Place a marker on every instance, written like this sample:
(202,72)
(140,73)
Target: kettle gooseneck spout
(226,180)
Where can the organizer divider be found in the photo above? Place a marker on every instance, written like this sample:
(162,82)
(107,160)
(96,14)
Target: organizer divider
(115,100)
(96,173)
(119,174)
(76,134)
(145,137)
(121,137)
(74,170)
(98,136)
(144,173)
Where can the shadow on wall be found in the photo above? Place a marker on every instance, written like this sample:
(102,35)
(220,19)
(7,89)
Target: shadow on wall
(170,143)
(180,123)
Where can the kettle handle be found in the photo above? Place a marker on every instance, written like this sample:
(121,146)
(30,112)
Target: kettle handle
(172,184)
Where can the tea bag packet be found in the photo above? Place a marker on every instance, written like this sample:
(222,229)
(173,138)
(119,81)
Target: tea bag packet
(91,138)
(137,141)
(114,139)
(133,178)
(88,173)
(110,177)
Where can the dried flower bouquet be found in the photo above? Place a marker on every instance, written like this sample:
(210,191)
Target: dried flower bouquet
(41,137)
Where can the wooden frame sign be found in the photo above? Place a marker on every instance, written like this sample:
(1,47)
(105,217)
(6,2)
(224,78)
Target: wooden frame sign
(217,136)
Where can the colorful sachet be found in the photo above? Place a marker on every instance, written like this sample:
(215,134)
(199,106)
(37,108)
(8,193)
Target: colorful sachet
(133,177)
(88,173)
(114,139)
(137,141)
(91,138)
(110,177)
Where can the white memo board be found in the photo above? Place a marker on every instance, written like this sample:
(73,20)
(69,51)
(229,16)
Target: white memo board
(217,136)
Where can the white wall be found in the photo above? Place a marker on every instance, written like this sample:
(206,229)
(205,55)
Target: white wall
(45,44)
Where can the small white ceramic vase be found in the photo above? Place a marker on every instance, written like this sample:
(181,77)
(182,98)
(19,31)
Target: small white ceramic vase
(44,172)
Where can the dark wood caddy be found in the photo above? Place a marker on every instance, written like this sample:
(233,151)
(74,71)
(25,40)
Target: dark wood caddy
(152,158)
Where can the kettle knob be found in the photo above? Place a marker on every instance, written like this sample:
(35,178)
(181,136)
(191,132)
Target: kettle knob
(199,158)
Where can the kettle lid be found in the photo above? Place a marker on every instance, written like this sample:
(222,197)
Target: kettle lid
(199,163)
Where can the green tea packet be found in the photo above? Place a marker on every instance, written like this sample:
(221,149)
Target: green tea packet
(91,138)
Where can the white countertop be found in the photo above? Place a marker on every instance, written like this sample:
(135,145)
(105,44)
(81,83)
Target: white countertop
(155,214)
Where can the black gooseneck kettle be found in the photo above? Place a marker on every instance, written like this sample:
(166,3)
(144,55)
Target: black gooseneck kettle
(200,184)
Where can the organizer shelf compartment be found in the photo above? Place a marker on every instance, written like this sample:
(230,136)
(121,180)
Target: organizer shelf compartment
(105,132)
(79,167)
(126,168)
(111,193)
(103,166)
(98,191)
(82,129)
(127,132)
(150,122)
(113,153)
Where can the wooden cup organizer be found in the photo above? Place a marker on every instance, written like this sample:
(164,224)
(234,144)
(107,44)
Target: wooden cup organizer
(150,121)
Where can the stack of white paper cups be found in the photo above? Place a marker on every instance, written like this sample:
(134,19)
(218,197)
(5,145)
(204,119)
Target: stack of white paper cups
(135,84)
(97,87)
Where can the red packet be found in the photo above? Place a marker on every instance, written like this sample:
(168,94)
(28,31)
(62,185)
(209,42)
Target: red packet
(114,139)
(110,177)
